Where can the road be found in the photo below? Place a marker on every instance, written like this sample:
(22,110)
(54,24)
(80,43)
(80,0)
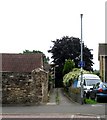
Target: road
(65,109)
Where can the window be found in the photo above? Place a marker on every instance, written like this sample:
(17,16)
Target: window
(92,82)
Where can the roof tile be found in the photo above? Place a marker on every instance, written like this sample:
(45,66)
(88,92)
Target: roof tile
(21,62)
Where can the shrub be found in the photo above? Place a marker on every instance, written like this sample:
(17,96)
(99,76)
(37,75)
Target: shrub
(90,101)
(69,77)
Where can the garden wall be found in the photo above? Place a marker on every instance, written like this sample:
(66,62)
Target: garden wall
(25,88)
(75,95)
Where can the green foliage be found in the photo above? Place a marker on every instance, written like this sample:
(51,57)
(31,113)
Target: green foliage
(57,98)
(69,48)
(97,72)
(34,51)
(68,66)
(68,78)
(45,59)
(90,101)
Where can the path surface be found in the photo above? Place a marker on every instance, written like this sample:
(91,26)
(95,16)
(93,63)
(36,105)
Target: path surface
(65,108)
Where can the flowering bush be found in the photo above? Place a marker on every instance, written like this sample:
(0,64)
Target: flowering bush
(71,76)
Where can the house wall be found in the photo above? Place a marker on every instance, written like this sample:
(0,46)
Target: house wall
(103,61)
(105,68)
(25,88)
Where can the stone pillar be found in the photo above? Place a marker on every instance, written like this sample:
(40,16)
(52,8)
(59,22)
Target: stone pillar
(40,77)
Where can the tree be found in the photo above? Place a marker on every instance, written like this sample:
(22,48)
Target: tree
(45,59)
(69,48)
(97,72)
(68,66)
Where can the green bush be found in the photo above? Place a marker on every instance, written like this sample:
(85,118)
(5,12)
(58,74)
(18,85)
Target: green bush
(69,77)
(90,101)
(68,66)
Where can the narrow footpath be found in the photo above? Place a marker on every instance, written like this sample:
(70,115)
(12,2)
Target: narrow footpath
(52,97)
(63,100)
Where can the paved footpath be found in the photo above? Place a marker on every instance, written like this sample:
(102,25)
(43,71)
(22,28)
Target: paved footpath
(52,98)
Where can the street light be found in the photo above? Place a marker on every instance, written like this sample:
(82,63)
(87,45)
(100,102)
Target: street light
(82,89)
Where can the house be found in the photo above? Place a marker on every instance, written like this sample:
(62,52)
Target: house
(102,57)
(24,79)
(21,63)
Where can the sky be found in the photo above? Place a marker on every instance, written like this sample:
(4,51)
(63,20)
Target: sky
(33,24)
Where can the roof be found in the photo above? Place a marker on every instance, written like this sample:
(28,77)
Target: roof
(89,76)
(102,49)
(21,62)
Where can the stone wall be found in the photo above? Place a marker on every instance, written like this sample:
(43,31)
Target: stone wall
(25,88)
(41,84)
(75,94)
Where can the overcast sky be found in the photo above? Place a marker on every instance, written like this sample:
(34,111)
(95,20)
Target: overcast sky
(32,24)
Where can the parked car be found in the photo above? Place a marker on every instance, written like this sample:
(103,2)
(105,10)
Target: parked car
(89,80)
(99,92)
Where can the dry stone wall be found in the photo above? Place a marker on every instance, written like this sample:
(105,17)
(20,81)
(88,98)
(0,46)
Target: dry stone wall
(25,88)
(41,84)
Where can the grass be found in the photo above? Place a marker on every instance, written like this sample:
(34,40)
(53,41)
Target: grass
(90,101)
(57,97)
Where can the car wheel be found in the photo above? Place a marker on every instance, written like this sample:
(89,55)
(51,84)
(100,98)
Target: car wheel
(92,96)
(87,95)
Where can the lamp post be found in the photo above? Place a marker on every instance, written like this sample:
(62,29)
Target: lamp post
(82,89)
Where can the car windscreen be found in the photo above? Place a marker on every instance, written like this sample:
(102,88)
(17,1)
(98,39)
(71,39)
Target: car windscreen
(104,85)
(91,82)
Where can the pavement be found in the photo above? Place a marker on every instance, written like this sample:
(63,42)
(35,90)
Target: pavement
(52,97)
(65,110)
(53,117)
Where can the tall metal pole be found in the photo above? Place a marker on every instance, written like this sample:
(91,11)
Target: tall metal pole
(82,92)
(81,43)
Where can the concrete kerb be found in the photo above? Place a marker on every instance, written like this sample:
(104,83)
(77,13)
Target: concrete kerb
(52,115)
